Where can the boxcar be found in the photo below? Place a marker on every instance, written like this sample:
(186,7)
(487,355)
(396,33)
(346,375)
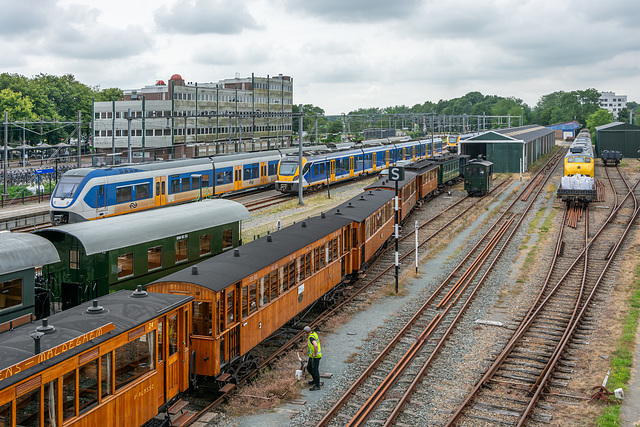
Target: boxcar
(113,363)
(242,297)
(478,177)
(21,259)
(127,250)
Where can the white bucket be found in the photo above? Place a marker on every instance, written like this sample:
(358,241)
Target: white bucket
(298,374)
(619,393)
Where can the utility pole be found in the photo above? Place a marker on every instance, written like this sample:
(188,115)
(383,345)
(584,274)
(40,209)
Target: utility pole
(300,189)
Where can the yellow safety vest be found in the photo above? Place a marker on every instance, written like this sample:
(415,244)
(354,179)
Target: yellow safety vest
(310,346)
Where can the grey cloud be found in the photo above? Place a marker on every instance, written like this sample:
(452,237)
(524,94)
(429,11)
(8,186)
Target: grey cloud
(205,17)
(21,17)
(355,10)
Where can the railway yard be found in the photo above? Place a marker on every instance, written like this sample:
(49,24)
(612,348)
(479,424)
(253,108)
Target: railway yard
(507,314)
(519,295)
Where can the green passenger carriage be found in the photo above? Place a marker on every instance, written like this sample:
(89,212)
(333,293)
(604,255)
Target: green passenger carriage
(100,256)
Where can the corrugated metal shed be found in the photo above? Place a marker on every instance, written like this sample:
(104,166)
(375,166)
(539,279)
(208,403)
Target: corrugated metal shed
(618,136)
(21,251)
(506,148)
(104,235)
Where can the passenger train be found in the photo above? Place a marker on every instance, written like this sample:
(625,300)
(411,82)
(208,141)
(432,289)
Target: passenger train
(125,356)
(324,169)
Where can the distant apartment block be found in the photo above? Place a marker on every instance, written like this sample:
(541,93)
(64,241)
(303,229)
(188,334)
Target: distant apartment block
(612,102)
(184,119)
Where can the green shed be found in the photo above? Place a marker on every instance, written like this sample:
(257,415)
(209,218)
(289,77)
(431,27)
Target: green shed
(508,148)
(618,136)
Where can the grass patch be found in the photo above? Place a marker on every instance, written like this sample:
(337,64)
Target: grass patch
(622,360)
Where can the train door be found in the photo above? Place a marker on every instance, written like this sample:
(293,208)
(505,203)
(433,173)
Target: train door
(229,326)
(374,162)
(101,205)
(351,166)
(332,170)
(160,339)
(176,349)
(161,191)
(237,177)
(263,173)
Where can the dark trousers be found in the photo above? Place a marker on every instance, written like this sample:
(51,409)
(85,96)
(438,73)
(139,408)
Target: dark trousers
(313,366)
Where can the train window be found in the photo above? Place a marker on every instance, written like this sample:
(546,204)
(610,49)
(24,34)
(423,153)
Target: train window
(195,182)
(316,169)
(28,408)
(201,319)
(300,269)
(570,160)
(163,189)
(105,375)
(181,250)
(245,302)
(227,238)
(69,395)
(316,260)
(273,280)
(322,169)
(292,274)
(135,358)
(175,185)
(125,265)
(123,194)
(205,244)
(264,286)
(587,160)
(154,258)
(88,385)
(142,191)
(6,415)
(50,405)
(160,342)
(282,278)
(157,188)
(273,168)
(10,293)
(186,181)
(307,264)
(329,252)
(205,181)
(253,297)
(230,311)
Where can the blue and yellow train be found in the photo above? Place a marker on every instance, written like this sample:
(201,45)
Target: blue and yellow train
(324,169)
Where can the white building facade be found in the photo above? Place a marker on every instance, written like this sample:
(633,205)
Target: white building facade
(180,119)
(612,102)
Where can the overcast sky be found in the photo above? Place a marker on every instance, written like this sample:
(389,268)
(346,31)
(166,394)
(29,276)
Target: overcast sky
(342,54)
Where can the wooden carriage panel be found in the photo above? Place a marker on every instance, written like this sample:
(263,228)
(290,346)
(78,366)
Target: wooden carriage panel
(376,241)
(207,360)
(274,315)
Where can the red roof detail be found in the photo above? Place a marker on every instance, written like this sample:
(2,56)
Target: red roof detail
(176,77)
(160,82)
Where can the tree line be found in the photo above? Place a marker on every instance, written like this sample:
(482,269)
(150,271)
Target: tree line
(48,98)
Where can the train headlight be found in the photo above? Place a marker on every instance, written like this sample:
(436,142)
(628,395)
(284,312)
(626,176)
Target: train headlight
(295,178)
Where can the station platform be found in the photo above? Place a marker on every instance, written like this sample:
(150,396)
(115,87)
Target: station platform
(22,215)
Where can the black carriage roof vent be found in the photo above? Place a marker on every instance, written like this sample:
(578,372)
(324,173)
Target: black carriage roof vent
(338,212)
(322,215)
(269,238)
(95,308)
(370,193)
(304,224)
(194,270)
(350,205)
(236,253)
(36,341)
(138,293)
(362,197)
(46,328)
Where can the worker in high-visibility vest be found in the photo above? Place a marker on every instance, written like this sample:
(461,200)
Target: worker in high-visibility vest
(315,353)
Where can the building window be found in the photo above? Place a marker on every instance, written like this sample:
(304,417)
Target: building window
(227,238)
(205,244)
(125,265)
(154,258)
(10,293)
(181,249)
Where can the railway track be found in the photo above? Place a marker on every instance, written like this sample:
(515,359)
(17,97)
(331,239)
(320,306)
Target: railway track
(535,358)
(382,390)
(430,226)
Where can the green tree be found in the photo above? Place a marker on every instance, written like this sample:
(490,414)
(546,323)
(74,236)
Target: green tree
(109,94)
(598,118)
(623,115)
(19,108)
(560,107)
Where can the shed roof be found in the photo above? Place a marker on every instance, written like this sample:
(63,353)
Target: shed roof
(127,230)
(622,125)
(121,309)
(565,126)
(20,251)
(520,134)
